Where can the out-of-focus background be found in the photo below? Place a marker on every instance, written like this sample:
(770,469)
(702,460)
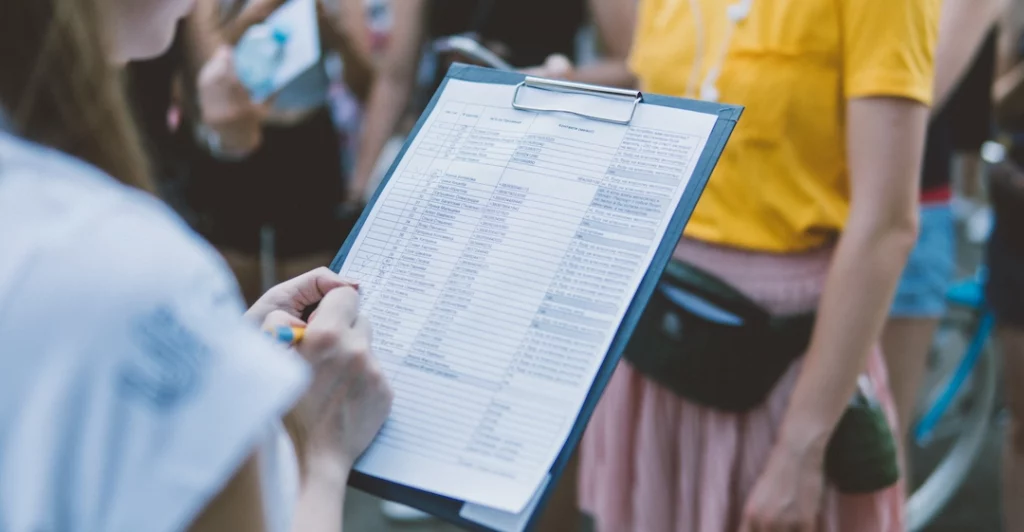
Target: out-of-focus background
(347,131)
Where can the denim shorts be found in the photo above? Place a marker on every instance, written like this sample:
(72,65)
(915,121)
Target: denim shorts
(921,292)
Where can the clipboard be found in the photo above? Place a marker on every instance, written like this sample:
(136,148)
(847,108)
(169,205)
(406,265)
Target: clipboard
(726,115)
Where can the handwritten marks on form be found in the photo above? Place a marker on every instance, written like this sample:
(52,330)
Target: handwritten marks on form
(496,266)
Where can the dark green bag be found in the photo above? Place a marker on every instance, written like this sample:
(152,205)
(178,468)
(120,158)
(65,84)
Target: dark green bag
(712,345)
(861,456)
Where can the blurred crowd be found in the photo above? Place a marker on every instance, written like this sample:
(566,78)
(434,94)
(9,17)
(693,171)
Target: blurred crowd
(838,197)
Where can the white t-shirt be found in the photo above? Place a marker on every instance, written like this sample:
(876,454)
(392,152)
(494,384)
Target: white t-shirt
(131,387)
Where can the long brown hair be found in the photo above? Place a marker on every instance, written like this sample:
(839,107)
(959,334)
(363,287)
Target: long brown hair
(59,87)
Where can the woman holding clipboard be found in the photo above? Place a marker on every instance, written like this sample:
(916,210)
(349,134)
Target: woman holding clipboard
(777,416)
(134,393)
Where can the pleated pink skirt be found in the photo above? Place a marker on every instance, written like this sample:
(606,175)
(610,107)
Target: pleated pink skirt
(652,462)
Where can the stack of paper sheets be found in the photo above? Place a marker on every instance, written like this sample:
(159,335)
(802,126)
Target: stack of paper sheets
(497,264)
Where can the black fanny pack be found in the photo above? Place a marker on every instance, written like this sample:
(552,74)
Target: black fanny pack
(714,346)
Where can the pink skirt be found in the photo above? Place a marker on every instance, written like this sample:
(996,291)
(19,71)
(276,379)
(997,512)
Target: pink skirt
(652,462)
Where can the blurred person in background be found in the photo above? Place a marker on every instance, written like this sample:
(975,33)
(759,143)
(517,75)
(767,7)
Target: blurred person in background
(266,184)
(134,393)
(811,209)
(961,122)
(523,33)
(346,107)
(1005,255)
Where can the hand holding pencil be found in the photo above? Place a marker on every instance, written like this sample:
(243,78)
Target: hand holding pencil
(349,397)
(296,295)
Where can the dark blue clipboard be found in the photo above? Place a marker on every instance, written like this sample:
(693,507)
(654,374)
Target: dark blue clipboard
(446,508)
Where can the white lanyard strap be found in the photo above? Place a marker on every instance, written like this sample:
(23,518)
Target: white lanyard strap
(737,13)
(698,52)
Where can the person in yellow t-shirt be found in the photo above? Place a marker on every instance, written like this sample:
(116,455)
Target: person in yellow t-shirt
(812,208)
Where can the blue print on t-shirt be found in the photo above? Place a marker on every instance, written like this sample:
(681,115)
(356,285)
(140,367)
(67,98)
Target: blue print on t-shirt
(172,358)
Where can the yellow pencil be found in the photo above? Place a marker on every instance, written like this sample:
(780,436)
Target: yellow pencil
(287,335)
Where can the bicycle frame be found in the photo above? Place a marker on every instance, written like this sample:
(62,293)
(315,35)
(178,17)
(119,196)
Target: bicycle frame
(969,294)
(926,427)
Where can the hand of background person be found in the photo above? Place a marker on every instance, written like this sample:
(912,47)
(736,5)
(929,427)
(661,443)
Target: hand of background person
(355,197)
(294,295)
(353,207)
(349,399)
(226,107)
(788,495)
(556,66)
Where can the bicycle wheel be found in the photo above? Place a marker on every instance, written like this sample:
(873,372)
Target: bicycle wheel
(959,433)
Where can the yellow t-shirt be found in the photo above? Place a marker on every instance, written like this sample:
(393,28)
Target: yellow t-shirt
(782,184)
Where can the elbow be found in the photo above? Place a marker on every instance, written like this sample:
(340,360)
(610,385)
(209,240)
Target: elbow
(892,234)
(905,232)
(897,233)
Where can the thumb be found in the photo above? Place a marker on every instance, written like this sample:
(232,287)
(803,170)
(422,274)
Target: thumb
(310,287)
(338,310)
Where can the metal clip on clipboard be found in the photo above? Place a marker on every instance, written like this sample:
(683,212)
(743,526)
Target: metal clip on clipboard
(576,88)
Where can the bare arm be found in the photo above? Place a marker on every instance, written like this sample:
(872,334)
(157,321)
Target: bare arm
(615,20)
(239,506)
(344,29)
(962,30)
(322,501)
(1008,92)
(885,145)
(202,33)
(392,88)
(1009,32)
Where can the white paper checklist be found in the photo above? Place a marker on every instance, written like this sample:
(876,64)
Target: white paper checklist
(496,266)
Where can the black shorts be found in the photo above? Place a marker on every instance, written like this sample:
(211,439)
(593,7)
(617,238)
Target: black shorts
(293,183)
(1005,287)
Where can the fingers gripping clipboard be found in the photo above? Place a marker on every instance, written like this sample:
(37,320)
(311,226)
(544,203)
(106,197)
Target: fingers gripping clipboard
(505,261)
